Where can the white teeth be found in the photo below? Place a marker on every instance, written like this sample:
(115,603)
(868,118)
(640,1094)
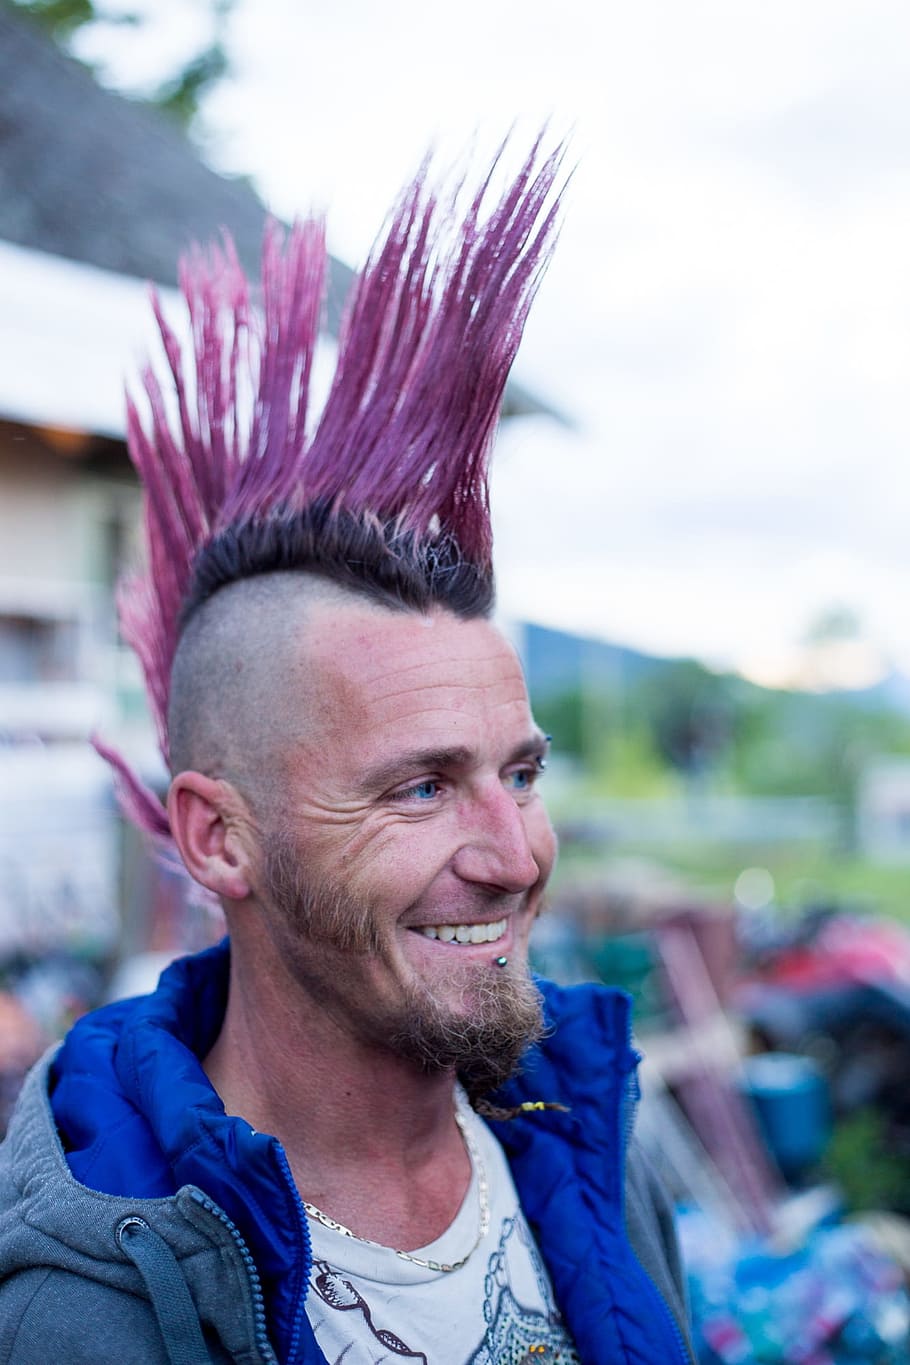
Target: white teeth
(465,933)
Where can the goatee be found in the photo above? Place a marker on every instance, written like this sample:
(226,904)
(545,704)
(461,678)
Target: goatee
(484,1046)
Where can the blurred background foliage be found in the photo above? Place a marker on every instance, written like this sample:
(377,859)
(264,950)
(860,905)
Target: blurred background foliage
(683,734)
(179,93)
(685,724)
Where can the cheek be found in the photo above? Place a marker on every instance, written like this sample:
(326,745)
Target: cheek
(414,853)
(404,857)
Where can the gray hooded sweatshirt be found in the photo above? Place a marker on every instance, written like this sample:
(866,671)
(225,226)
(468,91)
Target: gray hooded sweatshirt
(82,1281)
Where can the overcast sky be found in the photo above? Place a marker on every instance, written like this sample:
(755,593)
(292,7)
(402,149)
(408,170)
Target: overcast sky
(727,319)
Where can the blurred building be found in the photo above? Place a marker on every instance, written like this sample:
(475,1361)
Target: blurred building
(883,810)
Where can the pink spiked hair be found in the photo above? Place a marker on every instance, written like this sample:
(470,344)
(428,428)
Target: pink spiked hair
(430,331)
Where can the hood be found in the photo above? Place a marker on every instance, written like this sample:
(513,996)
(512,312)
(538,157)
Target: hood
(138,1116)
(178,1252)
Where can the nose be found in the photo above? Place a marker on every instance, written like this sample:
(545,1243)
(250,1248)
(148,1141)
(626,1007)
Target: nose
(496,850)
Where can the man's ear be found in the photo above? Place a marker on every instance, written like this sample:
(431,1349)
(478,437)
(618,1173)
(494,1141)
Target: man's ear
(212,828)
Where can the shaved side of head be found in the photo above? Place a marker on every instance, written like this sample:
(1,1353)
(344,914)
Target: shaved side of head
(239,675)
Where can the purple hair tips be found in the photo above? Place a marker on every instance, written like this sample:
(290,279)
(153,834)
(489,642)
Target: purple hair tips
(223,436)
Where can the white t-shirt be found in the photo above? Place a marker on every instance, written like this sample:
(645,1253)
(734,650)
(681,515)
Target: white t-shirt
(367,1305)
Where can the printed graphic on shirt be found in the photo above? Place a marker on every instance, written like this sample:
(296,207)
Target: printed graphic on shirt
(338,1292)
(516,1334)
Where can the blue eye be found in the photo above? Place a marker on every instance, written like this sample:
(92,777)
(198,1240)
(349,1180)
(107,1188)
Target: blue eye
(521,780)
(424,791)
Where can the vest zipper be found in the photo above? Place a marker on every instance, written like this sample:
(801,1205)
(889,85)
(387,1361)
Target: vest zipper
(659,1299)
(260,1329)
(630,1096)
(304,1226)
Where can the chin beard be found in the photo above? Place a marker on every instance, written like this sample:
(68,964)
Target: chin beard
(484,1046)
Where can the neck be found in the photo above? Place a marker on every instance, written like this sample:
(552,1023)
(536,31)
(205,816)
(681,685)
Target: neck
(370,1138)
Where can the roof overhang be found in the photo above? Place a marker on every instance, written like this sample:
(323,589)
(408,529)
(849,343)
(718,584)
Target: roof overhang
(71,335)
(68,335)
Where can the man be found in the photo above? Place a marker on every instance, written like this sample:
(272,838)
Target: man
(280,1154)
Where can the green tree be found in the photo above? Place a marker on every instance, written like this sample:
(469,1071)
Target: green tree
(609,739)
(180,94)
(861,1159)
(690,712)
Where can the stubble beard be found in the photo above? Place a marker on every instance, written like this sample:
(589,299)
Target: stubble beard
(483,1043)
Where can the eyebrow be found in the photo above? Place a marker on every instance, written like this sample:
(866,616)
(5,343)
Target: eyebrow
(402,766)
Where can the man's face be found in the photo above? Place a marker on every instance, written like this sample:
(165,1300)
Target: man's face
(416,846)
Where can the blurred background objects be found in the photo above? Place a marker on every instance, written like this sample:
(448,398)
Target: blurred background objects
(699,503)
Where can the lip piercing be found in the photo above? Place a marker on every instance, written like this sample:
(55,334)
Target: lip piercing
(500,961)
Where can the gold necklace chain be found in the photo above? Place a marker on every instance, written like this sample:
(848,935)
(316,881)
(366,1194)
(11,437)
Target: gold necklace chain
(483,1193)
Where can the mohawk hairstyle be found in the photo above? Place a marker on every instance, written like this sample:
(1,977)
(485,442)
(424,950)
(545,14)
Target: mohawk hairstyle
(236,485)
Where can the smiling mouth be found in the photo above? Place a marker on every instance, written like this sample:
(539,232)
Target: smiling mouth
(464,933)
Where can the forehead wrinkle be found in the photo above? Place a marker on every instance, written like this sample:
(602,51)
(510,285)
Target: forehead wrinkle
(451,704)
(499,660)
(450,672)
(377,671)
(450,685)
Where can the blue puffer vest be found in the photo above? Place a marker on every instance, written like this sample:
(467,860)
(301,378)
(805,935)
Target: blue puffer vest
(138,1117)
